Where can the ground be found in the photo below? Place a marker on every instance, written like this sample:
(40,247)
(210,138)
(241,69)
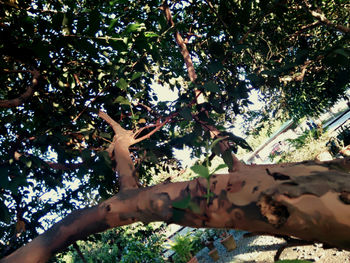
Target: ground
(262,249)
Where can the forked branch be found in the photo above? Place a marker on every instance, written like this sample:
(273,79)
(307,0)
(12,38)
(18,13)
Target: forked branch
(24,96)
(119,152)
(119,149)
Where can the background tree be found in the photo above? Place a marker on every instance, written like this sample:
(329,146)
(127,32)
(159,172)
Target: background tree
(61,62)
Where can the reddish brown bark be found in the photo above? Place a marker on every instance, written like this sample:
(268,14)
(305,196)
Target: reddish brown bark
(307,200)
(214,132)
(180,42)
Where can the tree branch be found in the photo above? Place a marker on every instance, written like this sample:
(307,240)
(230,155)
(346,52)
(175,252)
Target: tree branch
(157,126)
(306,200)
(119,151)
(217,14)
(303,29)
(180,42)
(24,96)
(56,166)
(224,145)
(251,29)
(320,16)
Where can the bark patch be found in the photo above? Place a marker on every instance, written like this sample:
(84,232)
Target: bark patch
(278,176)
(275,213)
(235,187)
(345,197)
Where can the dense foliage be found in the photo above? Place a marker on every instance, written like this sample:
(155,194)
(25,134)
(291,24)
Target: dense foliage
(135,243)
(62,61)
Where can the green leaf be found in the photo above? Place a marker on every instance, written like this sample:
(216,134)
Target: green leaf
(112,24)
(201,170)
(240,141)
(151,34)
(227,156)
(183,203)
(28,163)
(269,72)
(86,155)
(94,21)
(136,75)
(178,215)
(122,84)
(220,166)
(194,208)
(106,135)
(342,52)
(211,86)
(186,113)
(42,51)
(122,100)
(101,75)
(133,28)
(215,142)
(215,67)
(197,130)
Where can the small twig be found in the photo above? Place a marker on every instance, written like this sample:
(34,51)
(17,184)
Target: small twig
(217,14)
(78,81)
(245,36)
(138,131)
(76,247)
(149,109)
(303,29)
(153,131)
(106,38)
(56,166)
(224,145)
(89,103)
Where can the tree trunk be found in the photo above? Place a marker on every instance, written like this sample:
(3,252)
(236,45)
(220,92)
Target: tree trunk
(307,200)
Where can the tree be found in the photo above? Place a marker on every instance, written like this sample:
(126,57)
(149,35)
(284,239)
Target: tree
(66,64)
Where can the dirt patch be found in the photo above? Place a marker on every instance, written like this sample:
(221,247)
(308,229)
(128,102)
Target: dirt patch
(262,249)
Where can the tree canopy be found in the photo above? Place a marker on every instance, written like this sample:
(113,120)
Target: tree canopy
(63,61)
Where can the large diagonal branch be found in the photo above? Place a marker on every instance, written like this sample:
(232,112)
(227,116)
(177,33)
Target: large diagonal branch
(320,16)
(24,96)
(181,43)
(308,200)
(224,145)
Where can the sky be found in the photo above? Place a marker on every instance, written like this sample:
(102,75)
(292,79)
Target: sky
(165,94)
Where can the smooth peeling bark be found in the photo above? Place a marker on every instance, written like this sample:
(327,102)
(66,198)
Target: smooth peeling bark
(75,226)
(307,200)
